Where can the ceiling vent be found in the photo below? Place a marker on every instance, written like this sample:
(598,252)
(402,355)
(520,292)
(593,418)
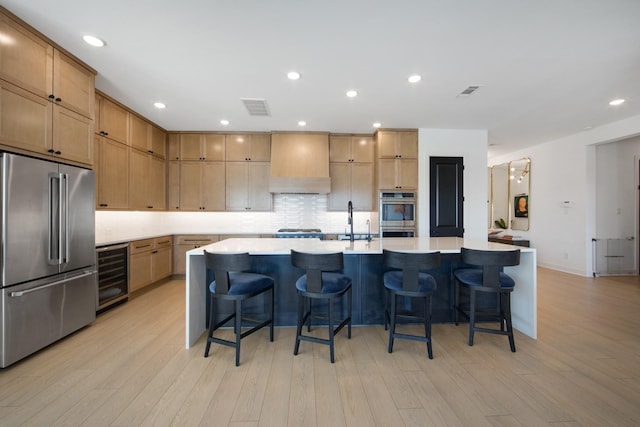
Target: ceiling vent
(256,107)
(468,91)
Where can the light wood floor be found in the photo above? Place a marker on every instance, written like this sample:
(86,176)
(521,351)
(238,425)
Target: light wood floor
(130,368)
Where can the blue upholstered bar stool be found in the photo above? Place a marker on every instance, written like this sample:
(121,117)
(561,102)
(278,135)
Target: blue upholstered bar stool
(322,281)
(233,283)
(409,282)
(487,277)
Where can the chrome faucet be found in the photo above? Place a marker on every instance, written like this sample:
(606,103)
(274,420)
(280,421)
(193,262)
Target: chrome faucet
(350,219)
(369,230)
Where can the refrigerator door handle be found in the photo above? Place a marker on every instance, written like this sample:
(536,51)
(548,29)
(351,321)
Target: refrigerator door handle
(48,285)
(54,219)
(64,218)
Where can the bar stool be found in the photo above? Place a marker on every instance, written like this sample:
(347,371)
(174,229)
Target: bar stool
(321,282)
(233,283)
(409,282)
(488,278)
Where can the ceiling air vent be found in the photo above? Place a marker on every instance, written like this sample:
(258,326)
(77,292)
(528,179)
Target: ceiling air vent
(468,91)
(256,107)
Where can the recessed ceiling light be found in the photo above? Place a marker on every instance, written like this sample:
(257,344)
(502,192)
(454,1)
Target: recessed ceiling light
(352,93)
(293,75)
(224,122)
(159,105)
(302,123)
(415,78)
(617,101)
(377,124)
(93,41)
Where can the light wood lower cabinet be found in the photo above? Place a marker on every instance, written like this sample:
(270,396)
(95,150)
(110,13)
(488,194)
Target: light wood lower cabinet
(184,243)
(149,261)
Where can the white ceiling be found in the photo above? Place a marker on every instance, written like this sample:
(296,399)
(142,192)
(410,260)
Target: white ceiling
(547,68)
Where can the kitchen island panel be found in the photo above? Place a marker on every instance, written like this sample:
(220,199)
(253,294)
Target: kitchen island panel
(363,263)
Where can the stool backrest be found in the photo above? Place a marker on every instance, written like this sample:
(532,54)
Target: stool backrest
(315,264)
(411,264)
(491,263)
(222,264)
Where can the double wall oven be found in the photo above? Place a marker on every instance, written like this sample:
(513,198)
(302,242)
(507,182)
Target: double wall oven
(398,214)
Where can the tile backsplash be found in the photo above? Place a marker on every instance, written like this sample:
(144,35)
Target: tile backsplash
(289,211)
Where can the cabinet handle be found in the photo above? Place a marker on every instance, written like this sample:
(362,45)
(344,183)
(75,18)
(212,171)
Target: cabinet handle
(50,150)
(150,151)
(150,207)
(58,152)
(52,96)
(141,246)
(58,99)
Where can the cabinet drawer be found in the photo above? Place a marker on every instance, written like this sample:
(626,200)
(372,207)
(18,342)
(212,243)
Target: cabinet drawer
(162,242)
(196,240)
(141,246)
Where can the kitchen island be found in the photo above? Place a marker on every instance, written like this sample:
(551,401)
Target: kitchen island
(363,262)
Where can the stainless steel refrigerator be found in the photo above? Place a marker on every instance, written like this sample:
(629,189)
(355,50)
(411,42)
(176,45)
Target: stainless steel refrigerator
(48,261)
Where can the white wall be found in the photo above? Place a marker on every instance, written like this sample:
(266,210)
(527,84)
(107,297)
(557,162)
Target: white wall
(472,146)
(566,169)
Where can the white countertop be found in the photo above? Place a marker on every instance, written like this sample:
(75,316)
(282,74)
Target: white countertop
(266,246)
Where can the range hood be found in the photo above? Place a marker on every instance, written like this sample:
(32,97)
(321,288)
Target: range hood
(299,163)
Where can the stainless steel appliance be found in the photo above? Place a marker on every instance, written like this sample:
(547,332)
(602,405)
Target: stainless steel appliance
(398,214)
(300,233)
(47,258)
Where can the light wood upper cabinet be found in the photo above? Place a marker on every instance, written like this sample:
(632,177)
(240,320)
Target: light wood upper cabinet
(397,144)
(147,181)
(202,186)
(247,186)
(31,123)
(73,85)
(72,136)
(351,148)
(351,182)
(112,120)
(351,169)
(250,147)
(158,142)
(173,146)
(25,119)
(173,186)
(209,147)
(398,174)
(33,74)
(26,60)
(112,177)
(146,137)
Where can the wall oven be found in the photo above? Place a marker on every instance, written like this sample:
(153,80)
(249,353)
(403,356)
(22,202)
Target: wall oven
(398,214)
